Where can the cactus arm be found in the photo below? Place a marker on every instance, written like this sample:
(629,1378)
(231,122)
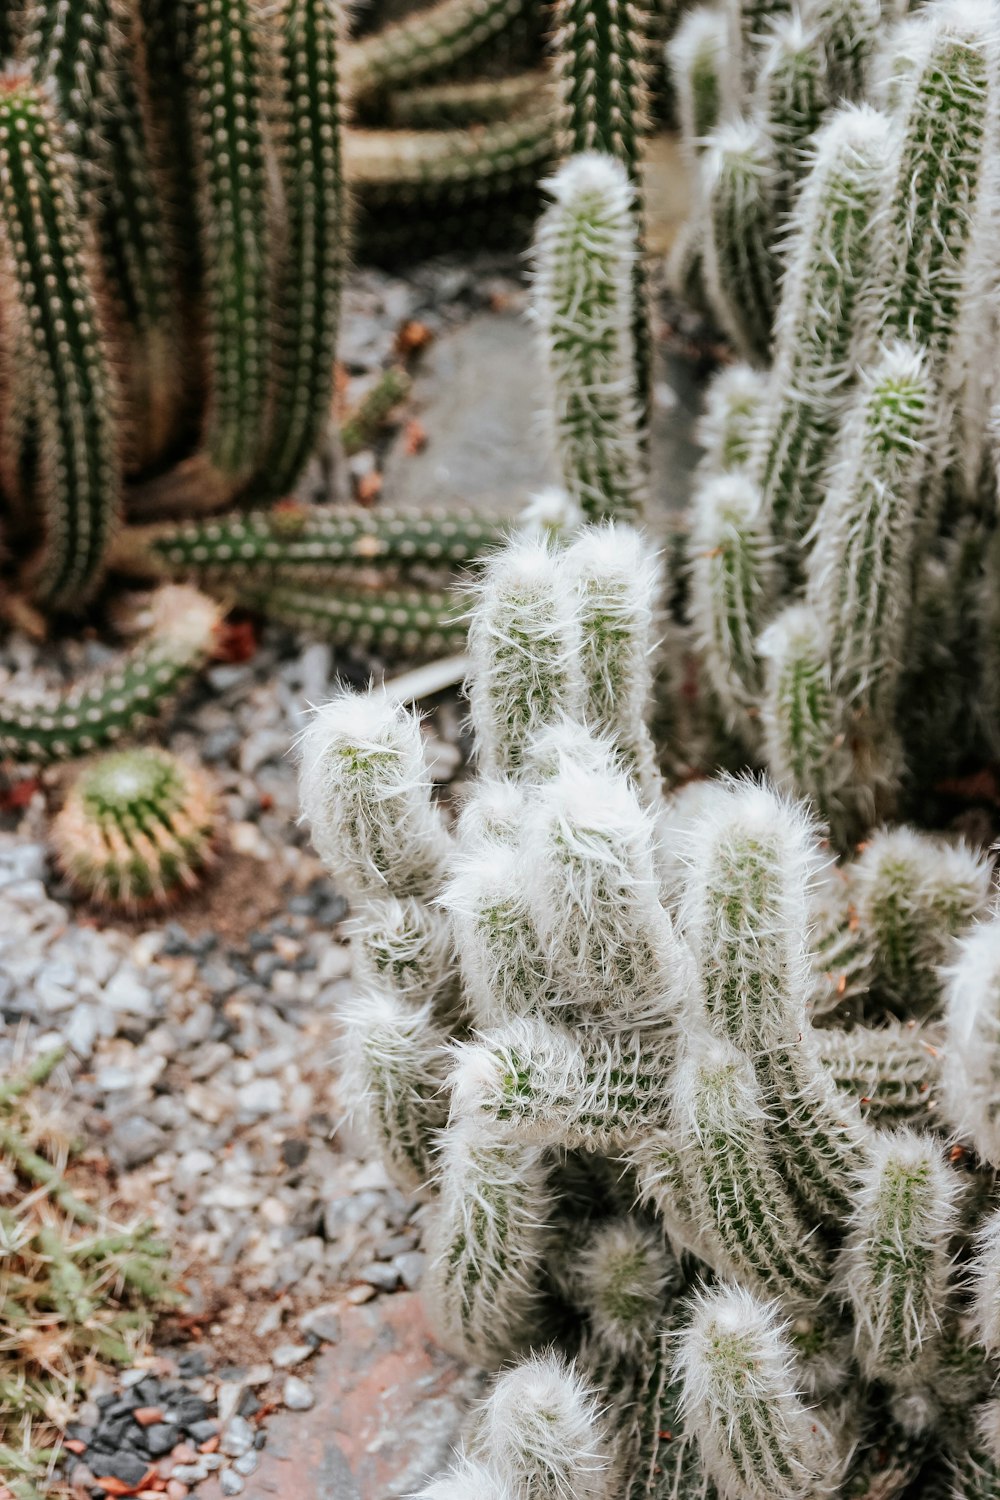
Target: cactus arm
(429,41)
(985,1283)
(696,59)
(757,1437)
(394,1064)
(313,252)
(404,946)
(847,33)
(823,317)
(524,644)
(893,1071)
(47,271)
(733,407)
(540,1084)
(739,267)
(583,302)
(791,95)
(306,544)
(475,101)
(732,587)
(120,700)
(971,1072)
(395,622)
(487,1240)
(229,47)
(503,968)
(366,792)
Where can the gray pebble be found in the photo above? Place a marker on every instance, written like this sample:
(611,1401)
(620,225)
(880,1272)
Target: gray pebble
(246,1464)
(287,1355)
(296,1395)
(237,1437)
(190,1473)
(322,1323)
(410,1266)
(230,1482)
(386,1278)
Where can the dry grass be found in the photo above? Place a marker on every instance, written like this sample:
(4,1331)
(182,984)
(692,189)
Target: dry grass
(77,1290)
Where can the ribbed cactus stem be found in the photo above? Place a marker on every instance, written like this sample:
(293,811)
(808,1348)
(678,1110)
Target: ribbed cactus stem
(585,255)
(746,914)
(618,585)
(539,1083)
(118,701)
(734,405)
(504,971)
(975,1470)
(366,792)
(392,622)
(897,1261)
(739,265)
(848,31)
(914,894)
(541,1428)
(487,1241)
(969,1096)
(524,644)
(303,544)
(592,884)
(49,306)
(985,1280)
(747,1219)
(858,574)
(696,56)
(803,741)
(732,586)
(759,1439)
(428,41)
(934,210)
(749,23)
(404,946)
(88,54)
(622,1279)
(893,1071)
(309,161)
(822,318)
(394,1064)
(227,108)
(792,95)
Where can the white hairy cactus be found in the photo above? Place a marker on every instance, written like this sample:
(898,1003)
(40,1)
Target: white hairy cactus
(585,259)
(366,795)
(505,974)
(734,400)
(623,1276)
(524,645)
(739,265)
(696,57)
(403,944)
(896,1264)
(759,1439)
(971,1069)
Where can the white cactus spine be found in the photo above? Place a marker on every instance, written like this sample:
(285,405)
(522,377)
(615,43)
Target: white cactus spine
(970,1081)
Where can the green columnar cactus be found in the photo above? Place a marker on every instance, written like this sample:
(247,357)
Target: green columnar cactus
(792,95)
(749,24)
(396,622)
(732,585)
(431,41)
(136,829)
(848,31)
(303,545)
(120,700)
(734,404)
(311,271)
(229,48)
(51,312)
(696,56)
(822,317)
(859,579)
(88,56)
(739,265)
(585,255)
(947,112)
(895,1072)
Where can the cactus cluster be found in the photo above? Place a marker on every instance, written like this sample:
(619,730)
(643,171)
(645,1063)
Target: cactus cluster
(704,1116)
(842,555)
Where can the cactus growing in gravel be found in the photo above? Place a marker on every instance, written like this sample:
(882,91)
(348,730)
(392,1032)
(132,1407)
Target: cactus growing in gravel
(136,829)
(634,1143)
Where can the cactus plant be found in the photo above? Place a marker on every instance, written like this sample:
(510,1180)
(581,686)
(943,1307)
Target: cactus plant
(136,829)
(638,982)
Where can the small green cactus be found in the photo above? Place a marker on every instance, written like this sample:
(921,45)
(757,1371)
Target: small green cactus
(136,830)
(739,266)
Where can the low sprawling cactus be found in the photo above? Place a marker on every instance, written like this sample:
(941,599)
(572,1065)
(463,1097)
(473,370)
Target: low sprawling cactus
(679,1096)
(136,829)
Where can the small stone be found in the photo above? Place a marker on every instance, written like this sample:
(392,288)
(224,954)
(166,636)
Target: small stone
(410,1266)
(237,1437)
(358,1294)
(200,1432)
(160,1438)
(321,1323)
(146,1416)
(230,1482)
(176,1490)
(128,1467)
(190,1473)
(247,1464)
(194,1361)
(185,1454)
(261,1097)
(230,1395)
(126,992)
(294,1152)
(385,1278)
(258,1375)
(296,1395)
(135,1141)
(287,1355)
(270,1322)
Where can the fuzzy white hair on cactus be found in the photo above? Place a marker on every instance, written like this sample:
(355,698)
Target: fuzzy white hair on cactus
(366,794)
(696,57)
(759,1440)
(971,1071)
(505,974)
(469,1479)
(550,512)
